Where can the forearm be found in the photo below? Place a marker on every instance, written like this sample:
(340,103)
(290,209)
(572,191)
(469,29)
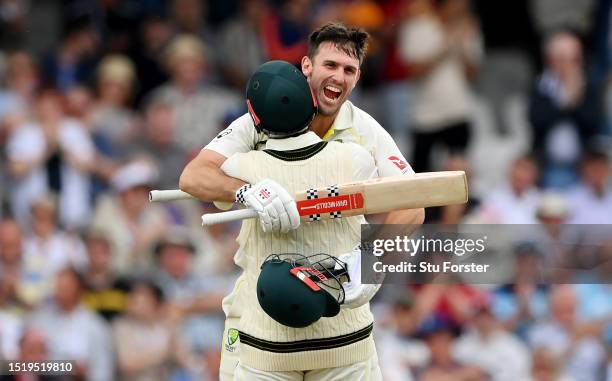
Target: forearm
(405,217)
(204,179)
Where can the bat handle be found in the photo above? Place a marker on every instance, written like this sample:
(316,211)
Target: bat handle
(232,215)
(168,195)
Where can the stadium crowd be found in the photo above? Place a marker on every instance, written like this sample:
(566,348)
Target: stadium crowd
(103,100)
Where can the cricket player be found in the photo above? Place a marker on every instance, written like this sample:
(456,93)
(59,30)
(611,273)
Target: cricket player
(281,104)
(333,69)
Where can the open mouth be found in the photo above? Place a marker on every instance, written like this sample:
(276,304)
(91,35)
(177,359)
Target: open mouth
(332,93)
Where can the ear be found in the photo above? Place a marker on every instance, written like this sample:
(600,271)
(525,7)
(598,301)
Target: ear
(306,66)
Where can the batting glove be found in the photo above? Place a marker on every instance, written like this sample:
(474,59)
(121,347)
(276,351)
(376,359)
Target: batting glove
(357,294)
(276,208)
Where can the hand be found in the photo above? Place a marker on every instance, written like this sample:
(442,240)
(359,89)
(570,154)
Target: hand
(357,294)
(277,209)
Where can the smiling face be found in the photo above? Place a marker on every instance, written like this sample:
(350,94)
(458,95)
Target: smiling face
(332,74)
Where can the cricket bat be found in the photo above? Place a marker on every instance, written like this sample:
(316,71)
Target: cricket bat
(378,195)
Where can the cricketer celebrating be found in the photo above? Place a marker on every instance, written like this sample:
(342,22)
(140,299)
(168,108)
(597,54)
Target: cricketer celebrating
(333,69)
(281,104)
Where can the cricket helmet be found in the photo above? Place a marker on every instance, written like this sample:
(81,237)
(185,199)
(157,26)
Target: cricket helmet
(279,100)
(297,290)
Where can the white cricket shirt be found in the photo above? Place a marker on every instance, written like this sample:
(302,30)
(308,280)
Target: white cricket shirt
(351,125)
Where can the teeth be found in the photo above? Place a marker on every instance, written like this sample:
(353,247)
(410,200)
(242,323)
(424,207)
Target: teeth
(334,89)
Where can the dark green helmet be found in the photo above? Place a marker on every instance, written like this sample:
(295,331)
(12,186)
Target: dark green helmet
(279,99)
(296,291)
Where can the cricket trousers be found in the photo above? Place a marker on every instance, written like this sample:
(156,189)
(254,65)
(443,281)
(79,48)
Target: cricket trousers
(232,370)
(367,370)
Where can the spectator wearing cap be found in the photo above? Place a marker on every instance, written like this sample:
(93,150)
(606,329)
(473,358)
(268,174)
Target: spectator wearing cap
(126,218)
(145,344)
(565,110)
(194,301)
(73,332)
(578,348)
(440,334)
(47,250)
(199,109)
(489,346)
(104,291)
(516,201)
(114,124)
(590,201)
(51,154)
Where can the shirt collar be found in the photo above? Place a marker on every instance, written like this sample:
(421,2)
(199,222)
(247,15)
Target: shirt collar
(288,144)
(344,119)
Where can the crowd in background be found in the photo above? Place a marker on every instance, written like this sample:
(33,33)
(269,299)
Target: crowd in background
(102,100)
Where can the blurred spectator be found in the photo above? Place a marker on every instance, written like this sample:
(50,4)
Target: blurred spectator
(11,245)
(200,109)
(578,349)
(442,44)
(400,353)
(17,95)
(502,355)
(516,201)
(547,367)
(510,55)
(552,15)
(285,30)
(564,110)
(32,346)
(73,332)
(52,154)
(193,300)
(154,34)
(72,62)
(114,125)
(439,335)
(145,345)
(10,323)
(241,48)
(13,22)
(47,250)
(518,304)
(590,202)
(159,129)
(104,291)
(131,224)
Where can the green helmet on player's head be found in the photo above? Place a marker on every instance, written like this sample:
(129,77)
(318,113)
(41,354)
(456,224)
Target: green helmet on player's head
(296,291)
(279,100)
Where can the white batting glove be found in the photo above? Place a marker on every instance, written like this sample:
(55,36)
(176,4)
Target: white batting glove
(277,209)
(357,294)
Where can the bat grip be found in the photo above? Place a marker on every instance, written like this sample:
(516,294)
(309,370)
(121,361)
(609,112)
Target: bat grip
(168,195)
(232,215)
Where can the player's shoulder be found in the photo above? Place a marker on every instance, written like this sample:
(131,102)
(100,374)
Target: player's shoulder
(363,121)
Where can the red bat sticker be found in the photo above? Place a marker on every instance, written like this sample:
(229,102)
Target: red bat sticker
(330,204)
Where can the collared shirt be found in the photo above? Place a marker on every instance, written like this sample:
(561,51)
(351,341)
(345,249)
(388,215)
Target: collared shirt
(351,125)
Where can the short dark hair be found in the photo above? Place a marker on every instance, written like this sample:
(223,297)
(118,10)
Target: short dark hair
(352,41)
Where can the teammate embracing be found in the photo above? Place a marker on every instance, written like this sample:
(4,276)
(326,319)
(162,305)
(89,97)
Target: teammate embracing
(333,69)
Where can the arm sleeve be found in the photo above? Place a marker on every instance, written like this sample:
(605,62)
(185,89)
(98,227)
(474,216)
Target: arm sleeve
(388,158)
(364,167)
(239,136)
